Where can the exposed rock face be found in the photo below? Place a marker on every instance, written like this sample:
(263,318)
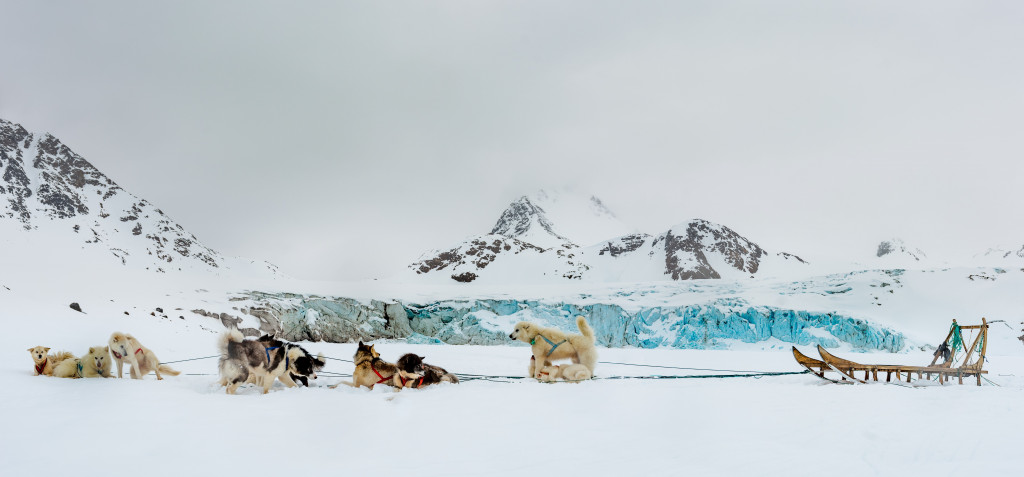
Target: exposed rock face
(621,245)
(685,255)
(789,256)
(477,252)
(896,248)
(1001,254)
(522,215)
(46,183)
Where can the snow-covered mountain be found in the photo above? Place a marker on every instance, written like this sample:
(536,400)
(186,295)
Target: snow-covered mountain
(53,202)
(895,248)
(551,218)
(1001,256)
(538,238)
(697,249)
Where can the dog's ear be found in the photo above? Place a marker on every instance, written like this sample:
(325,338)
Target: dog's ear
(106,348)
(91,350)
(422,358)
(46,349)
(30,350)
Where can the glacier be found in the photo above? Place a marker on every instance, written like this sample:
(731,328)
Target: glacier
(717,324)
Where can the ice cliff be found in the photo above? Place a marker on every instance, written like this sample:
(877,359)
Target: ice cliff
(717,324)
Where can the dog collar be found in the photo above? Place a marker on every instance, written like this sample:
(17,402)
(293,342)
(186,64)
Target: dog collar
(80,369)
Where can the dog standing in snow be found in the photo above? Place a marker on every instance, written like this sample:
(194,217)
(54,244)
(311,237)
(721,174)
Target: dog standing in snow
(551,344)
(125,347)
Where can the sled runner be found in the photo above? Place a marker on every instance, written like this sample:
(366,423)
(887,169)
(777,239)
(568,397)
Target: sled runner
(810,363)
(948,350)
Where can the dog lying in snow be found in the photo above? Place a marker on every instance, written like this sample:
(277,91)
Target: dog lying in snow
(568,372)
(95,364)
(552,344)
(414,373)
(370,369)
(125,347)
(44,363)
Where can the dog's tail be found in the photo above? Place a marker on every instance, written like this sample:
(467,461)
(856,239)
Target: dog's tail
(230,336)
(585,328)
(61,356)
(165,369)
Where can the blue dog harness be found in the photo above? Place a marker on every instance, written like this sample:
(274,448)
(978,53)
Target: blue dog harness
(286,362)
(552,343)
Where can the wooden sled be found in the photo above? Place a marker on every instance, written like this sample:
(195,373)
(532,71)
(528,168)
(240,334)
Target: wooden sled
(945,370)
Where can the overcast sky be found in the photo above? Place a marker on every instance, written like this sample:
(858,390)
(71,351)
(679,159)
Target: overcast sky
(340,140)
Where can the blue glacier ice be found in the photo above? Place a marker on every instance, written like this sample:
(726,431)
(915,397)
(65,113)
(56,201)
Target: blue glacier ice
(717,324)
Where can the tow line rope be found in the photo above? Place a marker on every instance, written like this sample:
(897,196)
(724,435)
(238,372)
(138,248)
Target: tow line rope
(506,379)
(193,359)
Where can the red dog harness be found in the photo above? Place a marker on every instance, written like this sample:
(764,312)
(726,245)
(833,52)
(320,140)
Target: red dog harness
(420,383)
(41,367)
(118,355)
(382,378)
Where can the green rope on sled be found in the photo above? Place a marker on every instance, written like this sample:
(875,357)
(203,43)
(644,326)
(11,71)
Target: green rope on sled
(957,340)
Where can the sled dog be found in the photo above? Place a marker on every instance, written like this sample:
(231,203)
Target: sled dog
(126,348)
(370,369)
(568,372)
(551,344)
(414,373)
(44,363)
(301,372)
(96,363)
(242,358)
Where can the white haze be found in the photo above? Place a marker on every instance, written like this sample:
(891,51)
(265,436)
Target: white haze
(342,140)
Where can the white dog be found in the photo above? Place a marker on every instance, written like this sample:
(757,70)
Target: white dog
(568,372)
(125,347)
(550,344)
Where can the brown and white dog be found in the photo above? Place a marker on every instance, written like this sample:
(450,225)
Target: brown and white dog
(143,361)
(370,369)
(414,373)
(44,363)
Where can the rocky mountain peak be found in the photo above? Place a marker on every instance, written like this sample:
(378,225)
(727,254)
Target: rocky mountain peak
(522,218)
(897,248)
(46,188)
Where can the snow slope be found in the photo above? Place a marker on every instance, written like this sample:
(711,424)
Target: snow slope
(55,204)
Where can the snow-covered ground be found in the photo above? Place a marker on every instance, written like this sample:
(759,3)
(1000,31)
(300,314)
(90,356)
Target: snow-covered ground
(794,424)
(770,426)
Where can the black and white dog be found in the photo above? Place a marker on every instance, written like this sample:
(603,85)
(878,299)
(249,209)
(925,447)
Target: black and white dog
(262,361)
